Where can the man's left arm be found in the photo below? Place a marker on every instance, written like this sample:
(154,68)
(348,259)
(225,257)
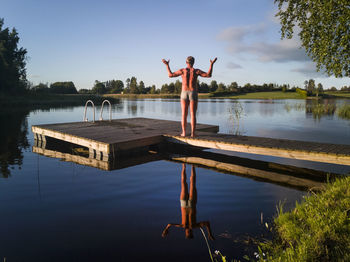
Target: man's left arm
(210,71)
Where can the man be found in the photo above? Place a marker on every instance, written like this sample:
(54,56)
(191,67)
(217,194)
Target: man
(188,203)
(189,93)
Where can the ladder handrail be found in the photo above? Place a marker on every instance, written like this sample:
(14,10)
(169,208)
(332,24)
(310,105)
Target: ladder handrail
(110,110)
(93,107)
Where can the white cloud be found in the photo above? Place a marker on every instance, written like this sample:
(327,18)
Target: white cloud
(309,70)
(285,50)
(232,65)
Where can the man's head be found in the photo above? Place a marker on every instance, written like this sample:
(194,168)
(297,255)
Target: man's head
(190,60)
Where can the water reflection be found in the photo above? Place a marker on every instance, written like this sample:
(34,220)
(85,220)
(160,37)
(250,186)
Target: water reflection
(13,139)
(188,204)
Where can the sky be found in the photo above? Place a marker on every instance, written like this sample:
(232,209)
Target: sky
(83,41)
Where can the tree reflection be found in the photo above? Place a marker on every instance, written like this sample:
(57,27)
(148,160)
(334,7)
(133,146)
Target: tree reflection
(188,202)
(13,139)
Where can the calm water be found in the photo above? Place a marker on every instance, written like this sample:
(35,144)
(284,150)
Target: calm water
(53,210)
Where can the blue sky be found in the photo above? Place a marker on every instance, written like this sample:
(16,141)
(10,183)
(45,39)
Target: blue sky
(84,41)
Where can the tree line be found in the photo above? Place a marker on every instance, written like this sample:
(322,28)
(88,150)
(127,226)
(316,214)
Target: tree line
(132,86)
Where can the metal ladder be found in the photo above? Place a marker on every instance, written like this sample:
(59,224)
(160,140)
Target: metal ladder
(93,108)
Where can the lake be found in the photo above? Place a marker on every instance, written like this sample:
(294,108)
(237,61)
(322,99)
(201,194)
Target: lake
(52,210)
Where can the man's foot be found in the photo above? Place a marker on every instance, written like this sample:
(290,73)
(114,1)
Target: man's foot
(193,135)
(183,134)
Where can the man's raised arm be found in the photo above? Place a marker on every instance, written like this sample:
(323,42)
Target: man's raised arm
(203,74)
(171,74)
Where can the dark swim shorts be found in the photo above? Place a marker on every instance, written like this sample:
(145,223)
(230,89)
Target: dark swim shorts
(189,95)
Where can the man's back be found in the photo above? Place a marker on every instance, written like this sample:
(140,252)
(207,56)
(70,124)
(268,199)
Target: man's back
(189,78)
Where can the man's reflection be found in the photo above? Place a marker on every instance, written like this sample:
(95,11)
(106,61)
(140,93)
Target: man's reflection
(188,201)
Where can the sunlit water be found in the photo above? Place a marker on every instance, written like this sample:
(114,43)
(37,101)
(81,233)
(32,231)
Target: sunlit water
(60,211)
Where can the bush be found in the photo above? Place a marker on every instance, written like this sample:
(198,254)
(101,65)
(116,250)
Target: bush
(318,229)
(301,92)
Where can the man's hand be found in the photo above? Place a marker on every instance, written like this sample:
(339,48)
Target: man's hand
(165,232)
(213,61)
(166,62)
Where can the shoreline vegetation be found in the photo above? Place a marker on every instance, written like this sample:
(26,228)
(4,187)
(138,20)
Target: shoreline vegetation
(269,95)
(317,229)
(51,100)
(54,100)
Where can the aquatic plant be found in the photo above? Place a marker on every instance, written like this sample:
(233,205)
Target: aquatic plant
(344,111)
(236,112)
(316,108)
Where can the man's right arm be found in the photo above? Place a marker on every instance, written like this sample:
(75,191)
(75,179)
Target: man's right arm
(171,74)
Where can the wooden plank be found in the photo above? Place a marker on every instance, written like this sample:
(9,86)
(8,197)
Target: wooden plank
(100,146)
(298,152)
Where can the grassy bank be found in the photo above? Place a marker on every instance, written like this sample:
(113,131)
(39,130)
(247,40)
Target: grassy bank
(338,94)
(318,229)
(269,95)
(51,100)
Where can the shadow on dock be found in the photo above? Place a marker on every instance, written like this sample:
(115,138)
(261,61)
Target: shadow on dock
(285,175)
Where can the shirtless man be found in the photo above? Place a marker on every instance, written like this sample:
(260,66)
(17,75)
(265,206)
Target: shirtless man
(189,93)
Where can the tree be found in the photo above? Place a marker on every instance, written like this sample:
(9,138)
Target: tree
(310,86)
(319,89)
(324,31)
(203,88)
(133,86)
(63,88)
(233,87)
(40,89)
(213,86)
(99,88)
(12,62)
(221,87)
(117,86)
(178,87)
(153,90)
(127,88)
(171,88)
(141,88)
(165,89)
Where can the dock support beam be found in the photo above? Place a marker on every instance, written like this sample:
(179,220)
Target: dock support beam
(99,155)
(39,140)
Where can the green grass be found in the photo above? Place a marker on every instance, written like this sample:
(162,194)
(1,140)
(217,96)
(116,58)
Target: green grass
(317,229)
(269,95)
(339,94)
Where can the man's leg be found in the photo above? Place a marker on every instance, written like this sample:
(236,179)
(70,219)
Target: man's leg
(184,109)
(184,189)
(193,189)
(193,110)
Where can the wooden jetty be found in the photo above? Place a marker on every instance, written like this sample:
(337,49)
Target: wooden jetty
(106,139)
(285,175)
(301,150)
(110,138)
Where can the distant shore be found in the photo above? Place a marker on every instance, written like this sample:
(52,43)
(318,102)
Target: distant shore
(60,100)
(253,95)
(50,100)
